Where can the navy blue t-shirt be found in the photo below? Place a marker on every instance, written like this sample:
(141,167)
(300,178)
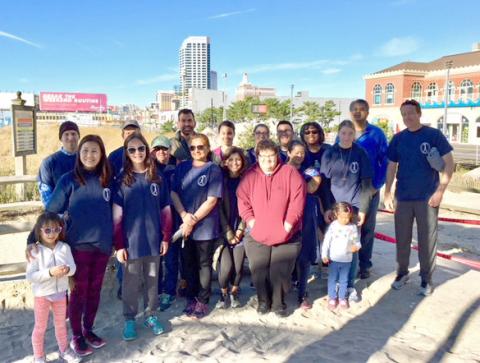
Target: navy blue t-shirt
(416,180)
(193,186)
(116,159)
(142,203)
(89,211)
(251,156)
(283,155)
(346,168)
(51,170)
(231,185)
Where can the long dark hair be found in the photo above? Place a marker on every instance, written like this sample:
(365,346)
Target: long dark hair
(103,167)
(316,125)
(150,165)
(46,218)
(235,150)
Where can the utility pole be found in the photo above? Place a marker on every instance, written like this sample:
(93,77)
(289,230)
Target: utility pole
(448,65)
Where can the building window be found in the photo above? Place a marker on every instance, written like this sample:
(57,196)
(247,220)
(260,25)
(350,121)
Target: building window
(389,91)
(416,91)
(466,90)
(432,92)
(377,94)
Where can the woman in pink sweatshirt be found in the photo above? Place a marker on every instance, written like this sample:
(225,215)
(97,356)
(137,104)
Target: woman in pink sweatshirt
(271,199)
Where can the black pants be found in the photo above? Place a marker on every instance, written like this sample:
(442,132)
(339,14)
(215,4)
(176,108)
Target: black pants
(198,258)
(231,266)
(271,268)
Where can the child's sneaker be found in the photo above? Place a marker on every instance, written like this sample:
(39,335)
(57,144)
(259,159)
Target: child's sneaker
(399,282)
(93,339)
(201,310)
(80,346)
(190,307)
(166,301)
(305,304)
(234,301)
(39,360)
(352,294)
(332,304)
(70,356)
(343,304)
(129,330)
(222,302)
(153,323)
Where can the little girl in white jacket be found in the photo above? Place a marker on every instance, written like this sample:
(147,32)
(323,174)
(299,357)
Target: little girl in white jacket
(48,272)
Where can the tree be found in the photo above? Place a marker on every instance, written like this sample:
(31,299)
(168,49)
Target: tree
(212,117)
(242,110)
(168,127)
(384,125)
(276,109)
(328,112)
(312,110)
(246,139)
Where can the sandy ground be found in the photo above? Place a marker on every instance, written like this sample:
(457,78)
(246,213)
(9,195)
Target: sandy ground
(386,326)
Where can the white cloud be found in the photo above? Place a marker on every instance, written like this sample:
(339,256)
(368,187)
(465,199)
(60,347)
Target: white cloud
(226,15)
(399,47)
(19,39)
(331,70)
(158,79)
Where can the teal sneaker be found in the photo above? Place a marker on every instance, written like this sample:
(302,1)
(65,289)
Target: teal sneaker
(129,330)
(153,323)
(166,301)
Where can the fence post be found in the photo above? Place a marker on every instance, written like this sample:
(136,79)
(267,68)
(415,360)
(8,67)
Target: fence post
(20,170)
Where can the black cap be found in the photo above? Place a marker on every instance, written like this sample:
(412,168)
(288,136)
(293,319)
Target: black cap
(68,126)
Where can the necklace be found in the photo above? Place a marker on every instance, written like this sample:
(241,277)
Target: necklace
(345,163)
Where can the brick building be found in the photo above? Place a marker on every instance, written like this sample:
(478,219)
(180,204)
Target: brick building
(425,81)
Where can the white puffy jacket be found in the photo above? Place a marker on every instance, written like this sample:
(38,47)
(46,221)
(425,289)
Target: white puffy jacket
(38,270)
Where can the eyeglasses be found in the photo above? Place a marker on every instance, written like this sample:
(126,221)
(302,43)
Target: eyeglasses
(197,147)
(140,149)
(259,133)
(49,230)
(284,132)
(158,148)
(313,132)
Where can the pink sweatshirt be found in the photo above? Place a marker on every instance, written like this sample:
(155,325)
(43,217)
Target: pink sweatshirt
(271,201)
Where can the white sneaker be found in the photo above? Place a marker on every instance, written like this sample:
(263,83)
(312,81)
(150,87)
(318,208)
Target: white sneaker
(70,356)
(399,282)
(353,295)
(39,360)
(426,289)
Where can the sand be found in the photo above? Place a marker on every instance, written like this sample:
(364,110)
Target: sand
(386,326)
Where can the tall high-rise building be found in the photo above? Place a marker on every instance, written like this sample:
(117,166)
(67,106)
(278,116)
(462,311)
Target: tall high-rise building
(194,67)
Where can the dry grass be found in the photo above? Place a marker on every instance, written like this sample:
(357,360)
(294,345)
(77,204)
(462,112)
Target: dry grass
(47,144)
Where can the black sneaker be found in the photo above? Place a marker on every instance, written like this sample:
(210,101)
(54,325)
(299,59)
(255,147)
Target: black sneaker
(283,313)
(263,309)
(364,274)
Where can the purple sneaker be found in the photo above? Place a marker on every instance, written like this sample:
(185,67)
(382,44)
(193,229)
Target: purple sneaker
(190,308)
(93,339)
(80,346)
(201,310)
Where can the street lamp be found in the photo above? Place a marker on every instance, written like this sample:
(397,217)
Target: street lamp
(448,65)
(291,102)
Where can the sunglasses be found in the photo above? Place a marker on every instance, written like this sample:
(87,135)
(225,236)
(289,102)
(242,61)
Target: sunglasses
(49,230)
(197,147)
(314,132)
(158,148)
(140,149)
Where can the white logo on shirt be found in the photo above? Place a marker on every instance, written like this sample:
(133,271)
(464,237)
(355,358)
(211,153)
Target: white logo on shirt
(202,181)
(154,189)
(425,148)
(107,194)
(354,167)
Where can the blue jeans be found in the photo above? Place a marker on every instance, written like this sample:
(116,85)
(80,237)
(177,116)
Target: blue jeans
(338,272)
(303,272)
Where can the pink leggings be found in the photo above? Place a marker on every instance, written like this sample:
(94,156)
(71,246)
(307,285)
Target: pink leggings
(41,309)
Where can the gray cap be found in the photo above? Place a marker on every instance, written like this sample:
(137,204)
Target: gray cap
(132,123)
(161,141)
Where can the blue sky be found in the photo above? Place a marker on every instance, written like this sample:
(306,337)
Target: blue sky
(129,49)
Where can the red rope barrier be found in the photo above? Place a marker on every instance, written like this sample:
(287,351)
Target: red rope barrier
(465,261)
(474,222)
